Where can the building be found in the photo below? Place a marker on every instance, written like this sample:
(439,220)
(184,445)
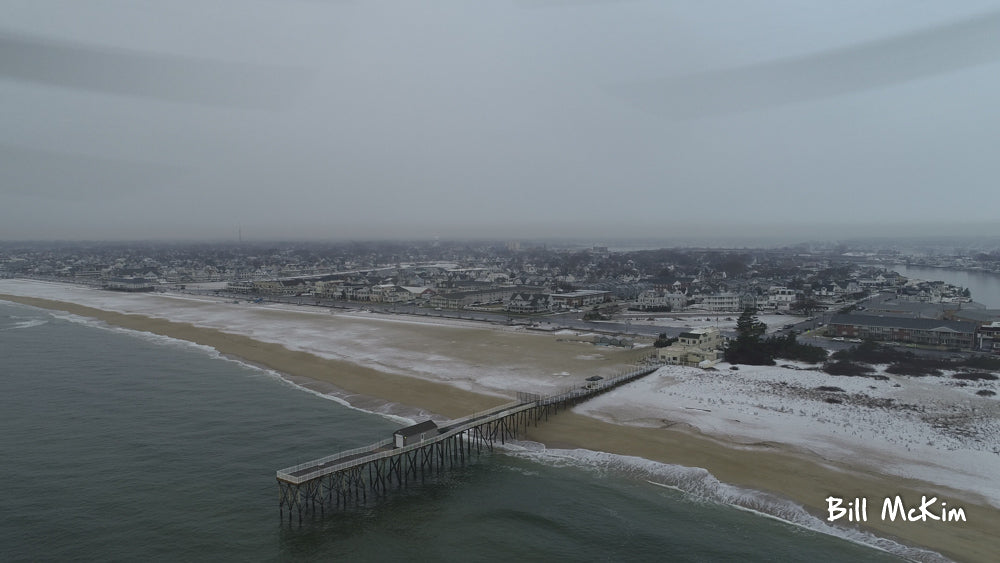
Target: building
(242,286)
(660,300)
(527,303)
(696,347)
(706,338)
(927,332)
(419,292)
(581,298)
(721,302)
(459,299)
(388,293)
(415,433)
(267,287)
(129,284)
(981,317)
(989,337)
(781,298)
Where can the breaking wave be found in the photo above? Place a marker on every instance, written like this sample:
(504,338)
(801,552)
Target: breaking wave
(26,324)
(700,485)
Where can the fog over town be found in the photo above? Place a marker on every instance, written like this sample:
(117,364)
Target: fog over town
(371,120)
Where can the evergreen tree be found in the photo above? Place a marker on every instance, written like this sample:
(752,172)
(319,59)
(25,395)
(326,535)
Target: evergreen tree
(748,348)
(749,328)
(662,341)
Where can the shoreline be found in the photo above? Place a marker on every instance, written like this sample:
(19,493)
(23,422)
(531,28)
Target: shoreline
(769,468)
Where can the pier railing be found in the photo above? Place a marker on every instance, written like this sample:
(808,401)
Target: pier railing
(378,450)
(480,414)
(483,427)
(288,471)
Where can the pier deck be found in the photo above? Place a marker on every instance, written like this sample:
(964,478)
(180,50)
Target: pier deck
(347,477)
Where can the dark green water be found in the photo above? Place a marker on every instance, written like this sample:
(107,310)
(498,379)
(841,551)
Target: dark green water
(119,446)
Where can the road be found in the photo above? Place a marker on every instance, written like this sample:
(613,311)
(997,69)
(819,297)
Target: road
(806,329)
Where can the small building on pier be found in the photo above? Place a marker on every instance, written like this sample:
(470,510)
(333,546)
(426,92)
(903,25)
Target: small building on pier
(415,433)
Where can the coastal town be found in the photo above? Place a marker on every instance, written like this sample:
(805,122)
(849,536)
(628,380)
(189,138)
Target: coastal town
(831,352)
(833,294)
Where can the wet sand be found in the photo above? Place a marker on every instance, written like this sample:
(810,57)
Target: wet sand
(772,468)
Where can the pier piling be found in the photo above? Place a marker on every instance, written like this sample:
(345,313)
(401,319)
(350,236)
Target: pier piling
(343,480)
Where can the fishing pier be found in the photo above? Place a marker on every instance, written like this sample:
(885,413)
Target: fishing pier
(348,478)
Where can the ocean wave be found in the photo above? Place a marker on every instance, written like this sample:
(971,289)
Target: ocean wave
(332,397)
(162,340)
(700,485)
(30,323)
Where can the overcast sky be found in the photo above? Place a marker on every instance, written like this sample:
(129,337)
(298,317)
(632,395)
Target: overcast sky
(131,119)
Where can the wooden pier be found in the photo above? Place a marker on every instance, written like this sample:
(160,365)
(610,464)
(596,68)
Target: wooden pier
(349,478)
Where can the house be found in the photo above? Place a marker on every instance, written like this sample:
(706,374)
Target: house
(721,302)
(781,298)
(242,286)
(356,292)
(527,303)
(581,298)
(661,300)
(693,348)
(705,338)
(129,284)
(415,433)
(418,292)
(388,293)
(989,337)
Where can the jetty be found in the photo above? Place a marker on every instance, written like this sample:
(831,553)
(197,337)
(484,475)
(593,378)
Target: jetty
(348,478)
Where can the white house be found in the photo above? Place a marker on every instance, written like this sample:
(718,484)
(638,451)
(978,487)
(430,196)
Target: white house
(721,302)
(693,347)
(653,299)
(527,303)
(781,298)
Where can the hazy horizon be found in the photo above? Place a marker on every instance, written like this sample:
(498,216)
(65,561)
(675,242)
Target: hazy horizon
(604,120)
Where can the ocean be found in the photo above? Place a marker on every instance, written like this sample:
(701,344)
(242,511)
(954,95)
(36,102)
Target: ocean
(126,446)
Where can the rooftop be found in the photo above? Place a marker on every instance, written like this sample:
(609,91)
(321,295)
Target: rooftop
(903,322)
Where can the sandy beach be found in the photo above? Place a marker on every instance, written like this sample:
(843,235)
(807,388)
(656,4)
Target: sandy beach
(422,369)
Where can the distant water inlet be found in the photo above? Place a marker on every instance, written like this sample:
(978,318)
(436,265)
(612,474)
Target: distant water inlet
(348,478)
(985,286)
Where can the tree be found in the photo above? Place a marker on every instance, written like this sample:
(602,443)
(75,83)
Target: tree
(789,348)
(662,341)
(749,328)
(748,348)
(805,305)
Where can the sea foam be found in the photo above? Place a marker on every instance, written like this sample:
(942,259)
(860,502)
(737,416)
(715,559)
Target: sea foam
(700,485)
(162,340)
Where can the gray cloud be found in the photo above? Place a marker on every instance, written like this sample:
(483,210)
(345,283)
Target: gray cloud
(129,72)
(827,74)
(397,119)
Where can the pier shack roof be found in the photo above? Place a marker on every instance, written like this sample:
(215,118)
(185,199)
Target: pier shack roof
(410,434)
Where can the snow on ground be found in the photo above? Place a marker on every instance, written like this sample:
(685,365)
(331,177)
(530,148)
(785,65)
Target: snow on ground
(403,344)
(723,321)
(930,428)
(369,339)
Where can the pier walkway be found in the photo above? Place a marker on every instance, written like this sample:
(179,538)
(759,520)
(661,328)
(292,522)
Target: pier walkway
(347,478)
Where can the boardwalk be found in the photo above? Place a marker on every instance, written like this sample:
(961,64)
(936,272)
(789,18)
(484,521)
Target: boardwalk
(348,478)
